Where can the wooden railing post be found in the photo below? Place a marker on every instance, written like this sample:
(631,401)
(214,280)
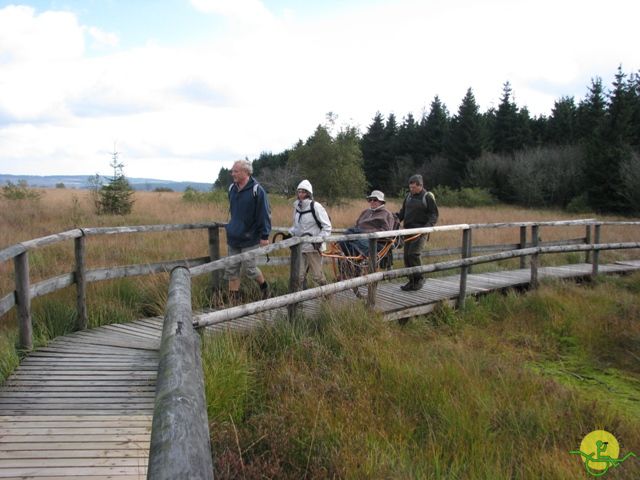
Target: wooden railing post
(535,240)
(214,254)
(23,301)
(523,244)
(587,241)
(180,443)
(466,253)
(294,277)
(81,282)
(373,267)
(596,253)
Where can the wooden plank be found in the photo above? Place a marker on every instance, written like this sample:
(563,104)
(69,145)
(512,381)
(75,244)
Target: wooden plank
(80,411)
(105,450)
(129,437)
(72,472)
(133,476)
(75,394)
(74,430)
(69,448)
(48,423)
(79,418)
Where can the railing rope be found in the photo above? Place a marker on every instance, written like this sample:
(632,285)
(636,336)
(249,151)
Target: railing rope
(180,444)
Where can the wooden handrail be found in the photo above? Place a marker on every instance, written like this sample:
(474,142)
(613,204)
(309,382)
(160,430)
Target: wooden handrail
(22,295)
(222,316)
(180,444)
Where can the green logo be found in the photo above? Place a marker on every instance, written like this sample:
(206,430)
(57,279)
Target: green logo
(600,451)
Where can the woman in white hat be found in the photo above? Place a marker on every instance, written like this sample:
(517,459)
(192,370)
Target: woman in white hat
(310,219)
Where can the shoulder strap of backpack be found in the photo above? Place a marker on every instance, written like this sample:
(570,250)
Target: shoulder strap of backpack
(256,185)
(424,198)
(313,212)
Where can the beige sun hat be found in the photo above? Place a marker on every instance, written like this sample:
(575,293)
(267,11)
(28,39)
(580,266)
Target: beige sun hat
(377,194)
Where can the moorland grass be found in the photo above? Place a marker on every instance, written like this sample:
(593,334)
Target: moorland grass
(497,391)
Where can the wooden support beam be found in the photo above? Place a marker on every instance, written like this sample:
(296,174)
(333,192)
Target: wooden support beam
(81,282)
(596,252)
(373,264)
(535,239)
(294,278)
(23,301)
(466,253)
(214,254)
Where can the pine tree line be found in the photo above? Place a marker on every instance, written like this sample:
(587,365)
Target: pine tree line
(582,153)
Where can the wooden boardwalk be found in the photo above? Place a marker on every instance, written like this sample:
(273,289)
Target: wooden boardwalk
(82,407)
(396,304)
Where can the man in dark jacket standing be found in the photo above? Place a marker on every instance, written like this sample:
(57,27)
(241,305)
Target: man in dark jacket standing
(248,228)
(418,210)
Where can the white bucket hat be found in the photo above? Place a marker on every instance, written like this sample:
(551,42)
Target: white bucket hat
(305,185)
(377,194)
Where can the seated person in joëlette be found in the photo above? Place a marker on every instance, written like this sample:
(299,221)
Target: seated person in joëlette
(376,218)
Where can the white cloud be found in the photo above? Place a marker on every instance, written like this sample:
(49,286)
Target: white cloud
(102,38)
(265,81)
(27,37)
(243,11)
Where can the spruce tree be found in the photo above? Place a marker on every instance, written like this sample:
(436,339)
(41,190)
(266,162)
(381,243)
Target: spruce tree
(562,123)
(374,152)
(434,129)
(115,197)
(466,137)
(506,135)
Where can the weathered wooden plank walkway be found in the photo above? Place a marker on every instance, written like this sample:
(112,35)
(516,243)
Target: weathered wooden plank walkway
(396,304)
(82,407)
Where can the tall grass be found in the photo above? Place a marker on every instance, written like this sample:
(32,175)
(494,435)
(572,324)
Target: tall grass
(495,391)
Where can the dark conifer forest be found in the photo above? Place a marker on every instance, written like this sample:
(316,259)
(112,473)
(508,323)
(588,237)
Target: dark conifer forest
(585,154)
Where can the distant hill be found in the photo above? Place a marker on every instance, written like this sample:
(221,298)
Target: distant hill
(81,181)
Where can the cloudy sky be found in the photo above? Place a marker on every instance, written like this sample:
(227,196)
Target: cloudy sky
(184,87)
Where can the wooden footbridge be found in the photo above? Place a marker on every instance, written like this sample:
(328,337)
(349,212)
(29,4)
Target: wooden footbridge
(126,401)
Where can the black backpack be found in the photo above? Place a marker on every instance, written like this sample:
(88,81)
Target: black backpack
(312,211)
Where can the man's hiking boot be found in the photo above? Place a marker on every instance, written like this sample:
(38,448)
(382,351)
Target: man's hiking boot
(412,286)
(265,291)
(407,287)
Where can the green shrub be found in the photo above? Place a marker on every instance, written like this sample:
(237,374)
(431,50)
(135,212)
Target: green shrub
(464,197)
(191,195)
(21,191)
(579,204)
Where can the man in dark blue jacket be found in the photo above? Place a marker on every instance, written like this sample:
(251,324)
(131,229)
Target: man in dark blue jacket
(248,228)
